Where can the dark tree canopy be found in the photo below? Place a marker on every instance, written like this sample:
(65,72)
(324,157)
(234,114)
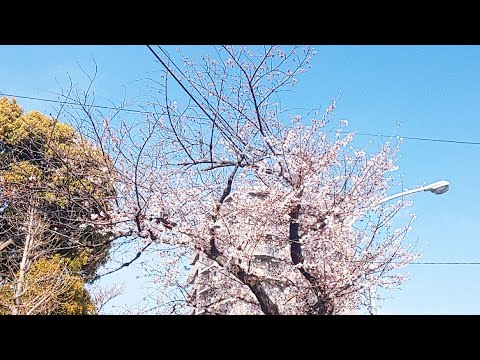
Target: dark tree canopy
(46,167)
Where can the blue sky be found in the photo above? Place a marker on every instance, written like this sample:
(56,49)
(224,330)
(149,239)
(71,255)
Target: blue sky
(431,91)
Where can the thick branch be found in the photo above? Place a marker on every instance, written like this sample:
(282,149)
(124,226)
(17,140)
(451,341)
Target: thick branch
(228,189)
(252,281)
(297,258)
(294,237)
(19,288)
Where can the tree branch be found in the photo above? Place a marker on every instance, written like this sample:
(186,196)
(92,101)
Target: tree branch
(128,263)
(5,244)
(297,258)
(252,281)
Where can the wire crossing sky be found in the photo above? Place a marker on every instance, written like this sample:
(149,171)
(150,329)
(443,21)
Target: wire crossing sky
(148,112)
(428,94)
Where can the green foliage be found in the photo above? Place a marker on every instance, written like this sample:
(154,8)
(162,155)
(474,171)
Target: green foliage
(52,153)
(53,287)
(45,162)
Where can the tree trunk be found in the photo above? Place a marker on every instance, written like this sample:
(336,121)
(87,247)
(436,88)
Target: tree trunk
(19,289)
(320,307)
(267,306)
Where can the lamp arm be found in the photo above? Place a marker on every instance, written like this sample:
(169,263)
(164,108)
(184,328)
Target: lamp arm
(401,194)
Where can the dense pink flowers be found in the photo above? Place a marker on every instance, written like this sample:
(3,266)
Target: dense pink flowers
(280,216)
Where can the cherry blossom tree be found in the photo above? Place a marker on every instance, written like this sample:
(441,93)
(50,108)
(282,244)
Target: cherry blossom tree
(277,210)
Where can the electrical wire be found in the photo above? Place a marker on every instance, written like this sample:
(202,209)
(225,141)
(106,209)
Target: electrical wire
(445,263)
(418,138)
(344,132)
(72,103)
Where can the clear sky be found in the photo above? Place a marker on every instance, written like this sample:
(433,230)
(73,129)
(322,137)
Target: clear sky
(431,91)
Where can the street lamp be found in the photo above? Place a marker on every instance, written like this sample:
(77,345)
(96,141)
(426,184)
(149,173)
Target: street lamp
(439,187)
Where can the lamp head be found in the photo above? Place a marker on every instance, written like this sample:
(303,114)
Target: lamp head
(438,187)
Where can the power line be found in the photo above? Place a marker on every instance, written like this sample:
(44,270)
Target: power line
(343,132)
(358,133)
(72,103)
(434,262)
(420,138)
(445,263)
